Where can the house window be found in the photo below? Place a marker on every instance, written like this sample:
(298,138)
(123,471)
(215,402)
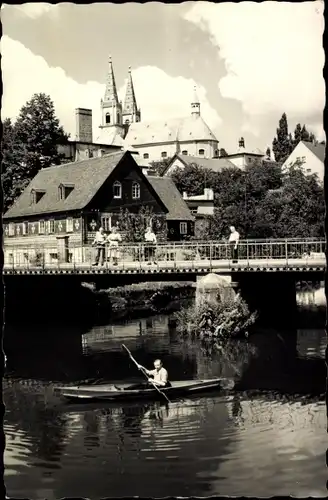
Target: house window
(89,153)
(164,154)
(36,195)
(69,225)
(146,156)
(41,226)
(117,189)
(183,228)
(135,190)
(201,152)
(51,226)
(184,152)
(107,118)
(11,229)
(65,190)
(25,228)
(106,222)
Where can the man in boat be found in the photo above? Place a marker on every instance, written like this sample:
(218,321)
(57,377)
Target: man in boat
(158,376)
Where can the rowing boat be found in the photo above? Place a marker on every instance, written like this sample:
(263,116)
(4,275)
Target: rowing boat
(126,391)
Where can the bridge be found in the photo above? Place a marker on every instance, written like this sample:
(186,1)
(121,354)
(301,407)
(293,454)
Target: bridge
(45,281)
(192,257)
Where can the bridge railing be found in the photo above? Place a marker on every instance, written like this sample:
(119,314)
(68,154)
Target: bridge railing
(169,253)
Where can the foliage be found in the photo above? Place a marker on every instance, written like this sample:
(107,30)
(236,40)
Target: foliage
(192,179)
(29,145)
(295,210)
(268,152)
(228,318)
(282,145)
(158,167)
(261,202)
(223,153)
(134,225)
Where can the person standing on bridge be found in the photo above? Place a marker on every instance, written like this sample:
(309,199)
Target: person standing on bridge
(114,238)
(100,242)
(150,248)
(233,242)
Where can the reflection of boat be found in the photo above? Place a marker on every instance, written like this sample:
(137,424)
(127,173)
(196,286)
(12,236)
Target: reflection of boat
(126,391)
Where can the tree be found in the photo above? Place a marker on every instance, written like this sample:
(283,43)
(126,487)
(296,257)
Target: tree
(223,153)
(193,179)
(268,152)
(29,145)
(12,178)
(134,225)
(159,167)
(282,145)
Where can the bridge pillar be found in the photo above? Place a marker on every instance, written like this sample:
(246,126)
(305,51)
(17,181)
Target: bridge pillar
(62,248)
(213,288)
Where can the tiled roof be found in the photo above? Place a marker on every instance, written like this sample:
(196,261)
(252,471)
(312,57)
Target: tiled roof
(215,164)
(178,129)
(319,150)
(171,197)
(109,136)
(87,176)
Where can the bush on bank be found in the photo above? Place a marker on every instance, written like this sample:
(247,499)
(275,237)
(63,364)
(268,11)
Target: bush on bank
(228,318)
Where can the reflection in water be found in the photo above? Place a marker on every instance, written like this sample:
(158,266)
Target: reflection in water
(236,443)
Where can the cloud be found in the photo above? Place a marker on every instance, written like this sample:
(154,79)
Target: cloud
(158,94)
(273,53)
(34,9)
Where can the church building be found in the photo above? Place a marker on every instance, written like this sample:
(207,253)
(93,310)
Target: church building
(123,128)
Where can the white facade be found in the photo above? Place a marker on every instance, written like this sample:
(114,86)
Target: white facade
(311,162)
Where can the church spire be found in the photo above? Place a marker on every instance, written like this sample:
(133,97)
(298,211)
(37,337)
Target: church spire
(195,104)
(111,108)
(111,91)
(130,110)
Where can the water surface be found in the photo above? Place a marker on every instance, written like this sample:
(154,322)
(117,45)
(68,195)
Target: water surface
(266,438)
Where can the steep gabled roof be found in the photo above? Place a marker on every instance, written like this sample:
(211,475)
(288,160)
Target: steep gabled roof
(319,150)
(87,176)
(215,164)
(171,197)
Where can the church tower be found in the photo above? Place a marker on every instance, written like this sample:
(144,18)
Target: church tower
(195,104)
(131,113)
(111,108)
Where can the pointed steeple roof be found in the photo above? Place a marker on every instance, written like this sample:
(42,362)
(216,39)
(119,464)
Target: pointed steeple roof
(130,103)
(111,91)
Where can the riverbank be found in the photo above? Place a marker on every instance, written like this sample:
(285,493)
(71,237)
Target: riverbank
(140,299)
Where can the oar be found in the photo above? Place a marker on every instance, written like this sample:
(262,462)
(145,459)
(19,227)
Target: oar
(143,371)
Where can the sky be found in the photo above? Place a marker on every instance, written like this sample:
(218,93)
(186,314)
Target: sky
(250,61)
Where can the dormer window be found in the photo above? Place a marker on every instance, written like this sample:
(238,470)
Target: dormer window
(64,190)
(117,189)
(135,190)
(37,195)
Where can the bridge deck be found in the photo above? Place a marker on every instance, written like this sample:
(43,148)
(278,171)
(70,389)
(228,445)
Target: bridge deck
(220,266)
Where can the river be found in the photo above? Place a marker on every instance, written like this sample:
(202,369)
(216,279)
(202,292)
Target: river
(266,438)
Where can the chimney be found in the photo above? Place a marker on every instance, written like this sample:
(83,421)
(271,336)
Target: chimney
(241,142)
(185,195)
(83,119)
